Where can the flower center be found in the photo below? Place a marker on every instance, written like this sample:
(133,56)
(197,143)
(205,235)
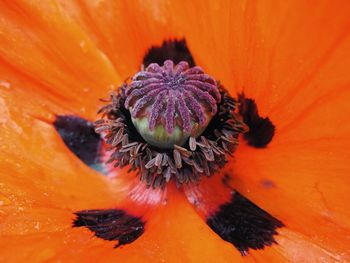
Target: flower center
(171,121)
(168,103)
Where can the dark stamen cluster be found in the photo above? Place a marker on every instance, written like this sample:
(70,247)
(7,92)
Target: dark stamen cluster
(155,166)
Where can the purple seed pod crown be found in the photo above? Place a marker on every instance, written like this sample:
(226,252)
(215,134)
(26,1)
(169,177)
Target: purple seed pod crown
(172,95)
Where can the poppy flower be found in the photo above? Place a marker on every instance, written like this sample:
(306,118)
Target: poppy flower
(282,196)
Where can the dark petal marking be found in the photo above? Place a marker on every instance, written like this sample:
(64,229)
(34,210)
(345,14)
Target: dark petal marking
(261,130)
(268,184)
(111,224)
(176,50)
(80,137)
(244,225)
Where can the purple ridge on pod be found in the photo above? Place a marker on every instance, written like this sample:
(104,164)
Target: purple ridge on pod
(172,95)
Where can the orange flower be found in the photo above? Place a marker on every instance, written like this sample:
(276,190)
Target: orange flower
(57,58)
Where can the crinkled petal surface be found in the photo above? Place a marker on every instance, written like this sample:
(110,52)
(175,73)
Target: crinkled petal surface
(43,44)
(60,57)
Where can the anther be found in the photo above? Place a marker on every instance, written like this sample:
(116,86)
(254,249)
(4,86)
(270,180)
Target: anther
(170,122)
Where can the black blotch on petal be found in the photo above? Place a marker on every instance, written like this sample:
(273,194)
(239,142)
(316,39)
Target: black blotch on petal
(261,130)
(176,50)
(111,224)
(244,225)
(268,184)
(80,137)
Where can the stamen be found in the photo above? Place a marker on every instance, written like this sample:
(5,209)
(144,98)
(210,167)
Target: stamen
(203,116)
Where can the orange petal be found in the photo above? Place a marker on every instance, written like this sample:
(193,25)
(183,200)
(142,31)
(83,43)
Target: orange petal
(46,233)
(45,46)
(301,178)
(300,183)
(295,247)
(124,30)
(285,55)
(43,183)
(293,58)
(38,169)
